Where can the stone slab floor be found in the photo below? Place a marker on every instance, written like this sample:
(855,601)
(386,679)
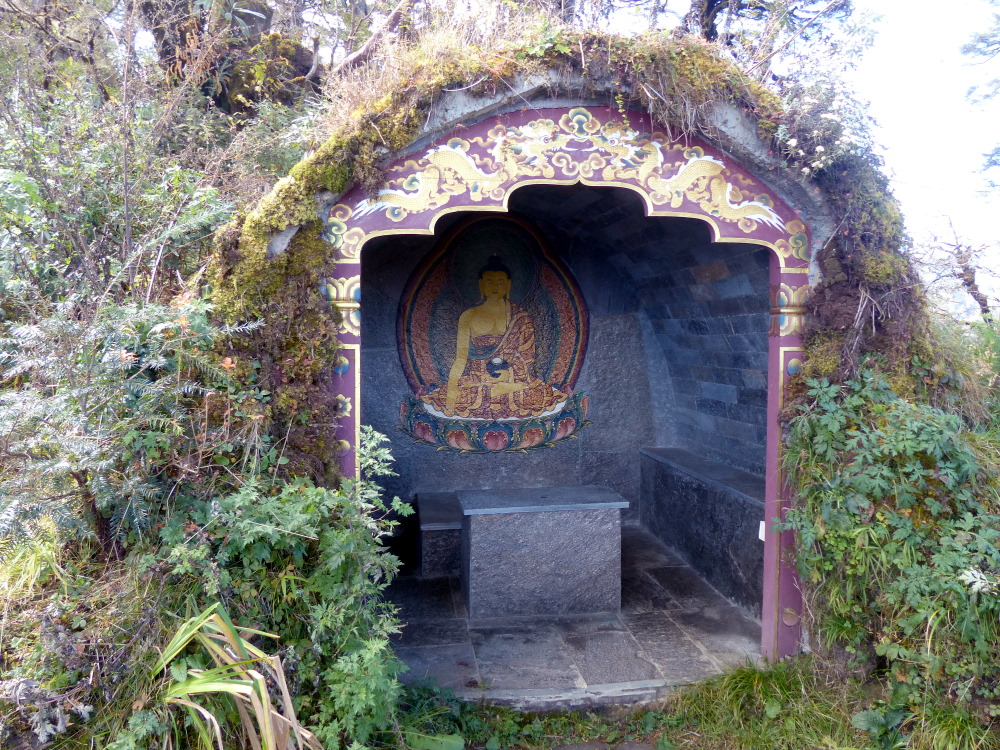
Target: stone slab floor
(673,628)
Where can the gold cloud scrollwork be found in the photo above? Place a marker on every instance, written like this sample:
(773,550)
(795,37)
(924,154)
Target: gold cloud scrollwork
(788,309)
(345,240)
(797,245)
(345,295)
(577,147)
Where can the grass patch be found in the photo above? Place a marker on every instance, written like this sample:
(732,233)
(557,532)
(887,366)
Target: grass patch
(788,705)
(792,705)
(944,726)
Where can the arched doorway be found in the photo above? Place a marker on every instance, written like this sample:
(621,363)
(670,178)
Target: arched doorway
(526,161)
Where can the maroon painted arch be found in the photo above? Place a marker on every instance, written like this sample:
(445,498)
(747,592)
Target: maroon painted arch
(476,168)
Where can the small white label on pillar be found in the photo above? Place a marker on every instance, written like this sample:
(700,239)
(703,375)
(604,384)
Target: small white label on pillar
(760,531)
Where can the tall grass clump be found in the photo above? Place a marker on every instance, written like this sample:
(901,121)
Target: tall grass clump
(789,705)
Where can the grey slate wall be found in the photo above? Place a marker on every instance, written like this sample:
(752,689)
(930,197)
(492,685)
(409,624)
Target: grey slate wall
(707,306)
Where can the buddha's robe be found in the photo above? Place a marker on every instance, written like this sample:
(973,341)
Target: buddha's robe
(509,357)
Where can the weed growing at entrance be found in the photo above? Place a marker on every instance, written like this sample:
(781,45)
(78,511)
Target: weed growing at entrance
(791,705)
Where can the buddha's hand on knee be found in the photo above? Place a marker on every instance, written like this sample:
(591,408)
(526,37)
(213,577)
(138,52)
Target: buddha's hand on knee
(502,389)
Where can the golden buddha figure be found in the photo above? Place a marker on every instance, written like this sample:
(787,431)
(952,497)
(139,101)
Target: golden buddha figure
(493,373)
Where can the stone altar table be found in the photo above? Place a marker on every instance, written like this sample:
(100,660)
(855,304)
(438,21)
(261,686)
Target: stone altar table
(541,551)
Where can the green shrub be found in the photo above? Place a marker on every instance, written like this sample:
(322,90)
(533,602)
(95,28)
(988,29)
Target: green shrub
(79,635)
(101,408)
(308,564)
(899,553)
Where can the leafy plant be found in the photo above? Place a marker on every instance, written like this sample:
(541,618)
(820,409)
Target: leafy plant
(884,726)
(894,540)
(545,39)
(309,561)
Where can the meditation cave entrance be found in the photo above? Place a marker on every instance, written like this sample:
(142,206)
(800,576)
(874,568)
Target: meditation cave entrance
(668,405)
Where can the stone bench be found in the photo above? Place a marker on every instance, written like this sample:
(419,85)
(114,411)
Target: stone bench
(710,514)
(541,551)
(440,519)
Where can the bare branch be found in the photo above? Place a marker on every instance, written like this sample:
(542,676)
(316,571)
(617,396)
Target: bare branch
(354,59)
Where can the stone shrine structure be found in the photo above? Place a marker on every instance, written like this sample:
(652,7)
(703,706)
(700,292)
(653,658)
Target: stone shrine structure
(552,293)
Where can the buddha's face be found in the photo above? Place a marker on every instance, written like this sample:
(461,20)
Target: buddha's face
(494,285)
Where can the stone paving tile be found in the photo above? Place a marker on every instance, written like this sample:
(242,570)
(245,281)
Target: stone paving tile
(610,656)
(726,632)
(421,598)
(530,658)
(679,659)
(681,663)
(687,588)
(433,632)
(652,627)
(642,593)
(584,746)
(451,666)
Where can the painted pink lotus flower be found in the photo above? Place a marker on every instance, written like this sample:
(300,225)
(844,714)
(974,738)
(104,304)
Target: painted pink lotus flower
(584,405)
(495,440)
(404,409)
(532,437)
(566,427)
(424,431)
(458,440)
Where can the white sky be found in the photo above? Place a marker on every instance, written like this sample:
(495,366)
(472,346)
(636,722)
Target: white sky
(916,79)
(934,139)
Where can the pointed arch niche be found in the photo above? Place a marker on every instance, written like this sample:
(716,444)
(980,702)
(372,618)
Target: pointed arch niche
(695,274)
